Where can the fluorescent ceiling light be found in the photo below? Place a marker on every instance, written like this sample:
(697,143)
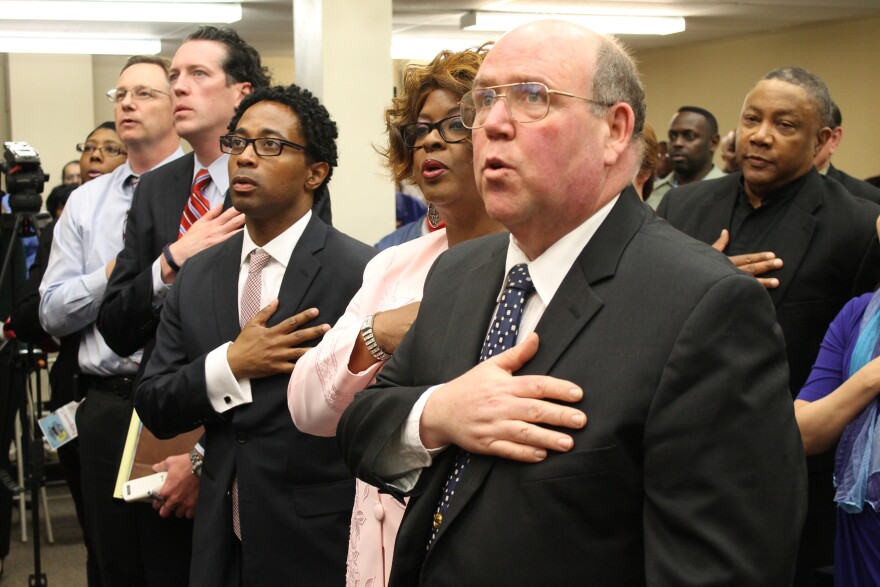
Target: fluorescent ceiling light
(426,48)
(621,25)
(190,12)
(79,46)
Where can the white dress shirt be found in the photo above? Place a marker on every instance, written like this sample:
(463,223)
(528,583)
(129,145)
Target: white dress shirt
(88,235)
(404,457)
(215,191)
(224,390)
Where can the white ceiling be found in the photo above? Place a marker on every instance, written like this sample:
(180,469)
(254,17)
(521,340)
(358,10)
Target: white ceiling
(268,24)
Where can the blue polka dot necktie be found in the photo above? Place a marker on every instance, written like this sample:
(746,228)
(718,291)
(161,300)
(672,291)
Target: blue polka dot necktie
(502,336)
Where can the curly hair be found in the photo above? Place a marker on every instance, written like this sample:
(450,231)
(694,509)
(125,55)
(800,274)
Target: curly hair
(450,70)
(317,128)
(242,63)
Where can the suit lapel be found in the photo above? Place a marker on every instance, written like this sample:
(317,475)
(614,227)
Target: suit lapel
(717,210)
(791,237)
(302,268)
(178,195)
(225,290)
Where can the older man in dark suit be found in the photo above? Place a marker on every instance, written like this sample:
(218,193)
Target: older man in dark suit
(812,244)
(674,357)
(274,505)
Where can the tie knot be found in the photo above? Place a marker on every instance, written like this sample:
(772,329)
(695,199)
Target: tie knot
(259,258)
(133,180)
(518,278)
(202,179)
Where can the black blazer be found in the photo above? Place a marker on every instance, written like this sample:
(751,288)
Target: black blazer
(827,242)
(127,319)
(295,493)
(670,483)
(856,187)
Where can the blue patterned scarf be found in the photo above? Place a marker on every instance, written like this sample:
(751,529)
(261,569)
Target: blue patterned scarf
(857,463)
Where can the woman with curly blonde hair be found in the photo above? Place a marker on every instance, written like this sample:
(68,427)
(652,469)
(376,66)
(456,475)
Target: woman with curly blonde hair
(428,144)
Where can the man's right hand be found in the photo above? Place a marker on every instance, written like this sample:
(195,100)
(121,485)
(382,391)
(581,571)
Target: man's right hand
(490,411)
(214,227)
(754,264)
(260,351)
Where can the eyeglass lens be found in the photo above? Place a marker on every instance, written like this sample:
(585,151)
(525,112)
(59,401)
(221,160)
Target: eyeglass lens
(451,130)
(526,102)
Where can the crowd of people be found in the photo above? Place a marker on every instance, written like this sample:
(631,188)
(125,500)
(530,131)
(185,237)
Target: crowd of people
(575,366)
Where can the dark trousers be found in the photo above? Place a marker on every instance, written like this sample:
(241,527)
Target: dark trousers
(134,546)
(68,457)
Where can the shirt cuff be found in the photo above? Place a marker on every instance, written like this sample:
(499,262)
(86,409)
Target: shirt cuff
(404,457)
(160,288)
(224,390)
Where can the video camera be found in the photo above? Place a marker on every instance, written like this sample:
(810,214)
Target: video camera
(24,177)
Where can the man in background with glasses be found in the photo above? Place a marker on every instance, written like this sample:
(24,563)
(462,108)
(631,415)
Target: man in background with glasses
(134,546)
(626,419)
(275,504)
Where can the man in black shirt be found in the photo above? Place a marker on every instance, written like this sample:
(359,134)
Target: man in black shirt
(802,235)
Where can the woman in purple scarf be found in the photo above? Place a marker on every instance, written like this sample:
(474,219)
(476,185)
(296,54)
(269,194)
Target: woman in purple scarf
(838,404)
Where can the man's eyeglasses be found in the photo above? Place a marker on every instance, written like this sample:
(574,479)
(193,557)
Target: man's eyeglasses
(525,102)
(263,146)
(139,93)
(451,130)
(109,150)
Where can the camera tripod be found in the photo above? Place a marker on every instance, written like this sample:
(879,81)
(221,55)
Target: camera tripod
(23,363)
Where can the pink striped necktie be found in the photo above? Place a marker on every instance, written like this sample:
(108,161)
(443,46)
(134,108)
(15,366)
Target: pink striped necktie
(198,204)
(250,305)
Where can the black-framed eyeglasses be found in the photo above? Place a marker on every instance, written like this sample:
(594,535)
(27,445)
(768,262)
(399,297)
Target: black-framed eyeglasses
(139,93)
(525,102)
(109,150)
(451,130)
(263,146)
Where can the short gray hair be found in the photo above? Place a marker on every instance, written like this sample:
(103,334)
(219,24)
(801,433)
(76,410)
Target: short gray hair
(617,80)
(814,86)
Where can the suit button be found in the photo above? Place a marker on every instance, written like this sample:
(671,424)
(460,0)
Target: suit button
(241,437)
(379,512)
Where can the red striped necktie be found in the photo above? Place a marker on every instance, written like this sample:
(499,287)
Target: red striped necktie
(198,204)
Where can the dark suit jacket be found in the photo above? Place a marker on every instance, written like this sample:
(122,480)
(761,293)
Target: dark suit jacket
(127,319)
(295,493)
(828,244)
(856,187)
(690,469)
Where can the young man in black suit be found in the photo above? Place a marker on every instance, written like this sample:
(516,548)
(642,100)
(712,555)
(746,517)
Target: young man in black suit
(807,240)
(274,504)
(689,470)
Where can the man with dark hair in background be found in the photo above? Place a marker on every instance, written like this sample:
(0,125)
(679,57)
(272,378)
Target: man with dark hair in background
(802,235)
(275,504)
(856,187)
(693,138)
(133,545)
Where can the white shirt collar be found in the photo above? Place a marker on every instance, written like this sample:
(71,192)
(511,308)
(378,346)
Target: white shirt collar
(549,269)
(219,171)
(281,247)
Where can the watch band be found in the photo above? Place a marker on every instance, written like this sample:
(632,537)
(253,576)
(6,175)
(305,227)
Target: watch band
(370,339)
(169,258)
(196,459)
